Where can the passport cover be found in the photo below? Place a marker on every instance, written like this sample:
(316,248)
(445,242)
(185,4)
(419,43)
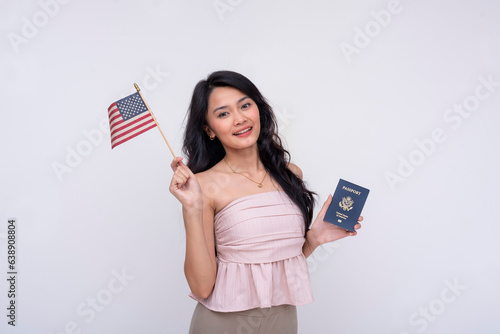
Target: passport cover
(347,204)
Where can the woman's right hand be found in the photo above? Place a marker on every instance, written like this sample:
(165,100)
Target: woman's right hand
(184,185)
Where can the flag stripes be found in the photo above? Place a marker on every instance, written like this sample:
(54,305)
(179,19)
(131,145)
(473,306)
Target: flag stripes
(128,118)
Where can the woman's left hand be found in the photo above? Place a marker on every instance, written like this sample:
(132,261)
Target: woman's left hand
(322,232)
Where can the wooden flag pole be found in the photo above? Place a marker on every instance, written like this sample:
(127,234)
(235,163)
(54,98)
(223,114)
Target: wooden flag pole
(166,141)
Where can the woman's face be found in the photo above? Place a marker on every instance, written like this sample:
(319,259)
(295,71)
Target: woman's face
(232,117)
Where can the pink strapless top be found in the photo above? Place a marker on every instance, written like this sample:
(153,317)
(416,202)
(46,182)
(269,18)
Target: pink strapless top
(260,263)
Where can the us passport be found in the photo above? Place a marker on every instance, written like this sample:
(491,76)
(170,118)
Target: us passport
(347,204)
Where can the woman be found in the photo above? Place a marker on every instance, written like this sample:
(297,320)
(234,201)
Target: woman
(246,211)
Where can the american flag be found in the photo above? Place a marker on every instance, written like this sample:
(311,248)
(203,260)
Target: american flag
(128,118)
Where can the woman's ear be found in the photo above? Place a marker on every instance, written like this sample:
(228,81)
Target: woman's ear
(209,132)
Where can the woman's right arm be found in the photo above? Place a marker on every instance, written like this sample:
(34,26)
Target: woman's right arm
(200,266)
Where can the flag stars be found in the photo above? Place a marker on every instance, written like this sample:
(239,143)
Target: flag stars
(131,106)
(128,125)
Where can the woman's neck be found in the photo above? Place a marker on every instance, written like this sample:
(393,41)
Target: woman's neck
(244,160)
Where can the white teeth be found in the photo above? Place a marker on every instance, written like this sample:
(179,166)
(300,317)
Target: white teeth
(239,133)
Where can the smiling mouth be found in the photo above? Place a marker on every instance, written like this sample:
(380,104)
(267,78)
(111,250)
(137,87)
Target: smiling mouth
(241,132)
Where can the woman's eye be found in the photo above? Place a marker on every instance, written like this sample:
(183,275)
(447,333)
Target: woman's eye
(222,114)
(246,105)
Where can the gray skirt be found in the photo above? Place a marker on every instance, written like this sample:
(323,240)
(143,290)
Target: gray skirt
(280,319)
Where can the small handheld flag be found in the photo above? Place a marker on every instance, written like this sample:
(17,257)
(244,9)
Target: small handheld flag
(129,117)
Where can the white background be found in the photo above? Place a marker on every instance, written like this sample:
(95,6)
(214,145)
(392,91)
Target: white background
(87,214)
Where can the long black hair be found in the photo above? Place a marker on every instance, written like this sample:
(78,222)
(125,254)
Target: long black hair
(203,153)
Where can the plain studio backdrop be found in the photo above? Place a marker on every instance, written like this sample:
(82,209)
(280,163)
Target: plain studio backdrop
(401,97)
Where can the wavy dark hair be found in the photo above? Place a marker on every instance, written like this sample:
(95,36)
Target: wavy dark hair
(203,153)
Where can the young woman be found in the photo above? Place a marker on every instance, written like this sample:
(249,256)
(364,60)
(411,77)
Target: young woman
(246,211)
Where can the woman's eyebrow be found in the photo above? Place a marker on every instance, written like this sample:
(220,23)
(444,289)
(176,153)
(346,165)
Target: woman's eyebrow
(239,101)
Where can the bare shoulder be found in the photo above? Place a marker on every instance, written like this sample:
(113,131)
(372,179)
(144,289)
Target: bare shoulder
(203,177)
(211,182)
(295,169)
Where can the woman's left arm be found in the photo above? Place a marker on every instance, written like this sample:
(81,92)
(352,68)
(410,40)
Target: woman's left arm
(322,232)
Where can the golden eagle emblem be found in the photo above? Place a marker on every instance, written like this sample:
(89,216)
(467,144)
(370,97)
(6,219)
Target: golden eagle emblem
(346,203)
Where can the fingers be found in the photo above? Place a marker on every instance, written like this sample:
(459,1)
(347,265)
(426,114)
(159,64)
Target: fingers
(179,179)
(323,210)
(176,162)
(183,171)
(358,225)
(181,174)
